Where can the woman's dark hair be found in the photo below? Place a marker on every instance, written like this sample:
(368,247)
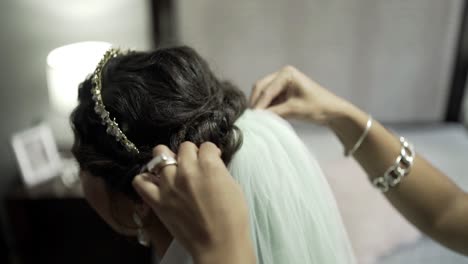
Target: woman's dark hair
(166,96)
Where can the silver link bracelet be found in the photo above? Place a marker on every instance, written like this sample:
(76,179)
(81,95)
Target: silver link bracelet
(400,169)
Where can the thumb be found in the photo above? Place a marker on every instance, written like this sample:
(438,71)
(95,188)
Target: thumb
(147,190)
(283,109)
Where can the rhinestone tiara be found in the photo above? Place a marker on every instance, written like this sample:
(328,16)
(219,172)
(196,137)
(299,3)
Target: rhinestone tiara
(112,128)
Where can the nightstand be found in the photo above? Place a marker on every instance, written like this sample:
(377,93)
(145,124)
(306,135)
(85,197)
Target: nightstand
(51,224)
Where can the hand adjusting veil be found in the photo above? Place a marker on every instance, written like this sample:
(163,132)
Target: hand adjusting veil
(293,214)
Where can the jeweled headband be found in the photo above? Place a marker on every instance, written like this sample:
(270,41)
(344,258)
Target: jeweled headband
(112,128)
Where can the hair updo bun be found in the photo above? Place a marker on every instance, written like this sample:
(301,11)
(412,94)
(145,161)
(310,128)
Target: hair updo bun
(167,96)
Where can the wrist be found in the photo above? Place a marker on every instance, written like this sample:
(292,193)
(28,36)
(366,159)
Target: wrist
(348,125)
(341,114)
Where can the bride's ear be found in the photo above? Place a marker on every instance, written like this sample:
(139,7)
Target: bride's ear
(142,209)
(150,228)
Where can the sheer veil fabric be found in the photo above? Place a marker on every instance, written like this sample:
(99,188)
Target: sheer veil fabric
(293,214)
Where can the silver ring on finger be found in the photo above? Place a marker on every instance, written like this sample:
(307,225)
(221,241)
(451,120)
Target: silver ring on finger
(156,164)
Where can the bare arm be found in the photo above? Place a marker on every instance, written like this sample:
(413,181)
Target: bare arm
(426,197)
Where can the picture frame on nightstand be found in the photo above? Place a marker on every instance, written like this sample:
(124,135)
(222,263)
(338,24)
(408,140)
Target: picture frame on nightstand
(37,154)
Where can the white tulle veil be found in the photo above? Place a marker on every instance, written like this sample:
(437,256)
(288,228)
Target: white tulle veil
(293,214)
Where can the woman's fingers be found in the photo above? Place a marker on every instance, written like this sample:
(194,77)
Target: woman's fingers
(205,190)
(259,86)
(187,155)
(163,149)
(209,153)
(167,173)
(284,110)
(147,190)
(274,88)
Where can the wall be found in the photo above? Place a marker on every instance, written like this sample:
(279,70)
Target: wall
(465,107)
(392,58)
(29,30)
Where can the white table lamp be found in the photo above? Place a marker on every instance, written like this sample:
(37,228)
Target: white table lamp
(67,67)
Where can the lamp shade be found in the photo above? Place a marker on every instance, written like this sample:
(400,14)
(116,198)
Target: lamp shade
(67,67)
